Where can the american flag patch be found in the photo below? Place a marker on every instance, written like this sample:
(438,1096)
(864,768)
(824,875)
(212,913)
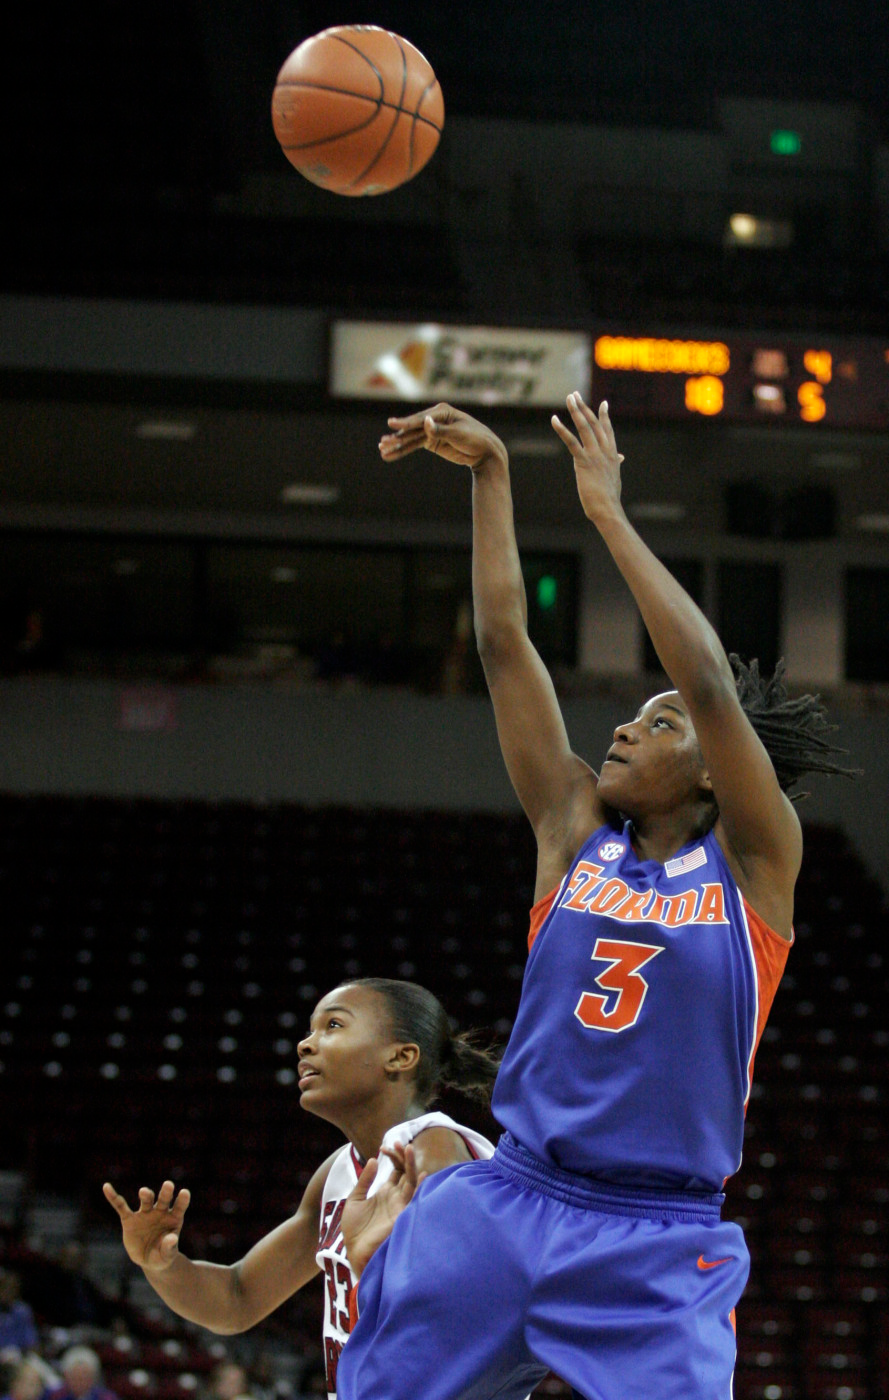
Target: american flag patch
(680,864)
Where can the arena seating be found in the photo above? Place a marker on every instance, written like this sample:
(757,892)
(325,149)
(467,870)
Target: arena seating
(161,960)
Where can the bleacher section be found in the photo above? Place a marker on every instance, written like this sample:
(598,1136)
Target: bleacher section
(160,961)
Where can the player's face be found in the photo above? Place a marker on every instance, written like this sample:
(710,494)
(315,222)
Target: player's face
(343,1059)
(655,761)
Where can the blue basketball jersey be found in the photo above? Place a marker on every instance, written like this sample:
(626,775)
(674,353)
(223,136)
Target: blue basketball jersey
(645,994)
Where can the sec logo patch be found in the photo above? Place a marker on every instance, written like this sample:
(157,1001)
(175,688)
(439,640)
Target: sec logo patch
(611,850)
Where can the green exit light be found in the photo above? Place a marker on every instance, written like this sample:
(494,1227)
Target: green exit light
(547,588)
(785,143)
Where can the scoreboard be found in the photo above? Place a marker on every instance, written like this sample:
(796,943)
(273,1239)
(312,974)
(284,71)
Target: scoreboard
(827,381)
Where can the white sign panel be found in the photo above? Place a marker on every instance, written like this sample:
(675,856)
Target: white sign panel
(462,364)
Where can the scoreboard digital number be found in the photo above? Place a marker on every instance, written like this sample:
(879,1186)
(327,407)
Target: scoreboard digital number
(745,379)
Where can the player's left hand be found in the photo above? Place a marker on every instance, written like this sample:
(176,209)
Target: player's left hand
(368,1220)
(596,458)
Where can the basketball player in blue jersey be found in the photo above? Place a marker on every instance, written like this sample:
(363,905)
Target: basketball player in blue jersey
(591,1244)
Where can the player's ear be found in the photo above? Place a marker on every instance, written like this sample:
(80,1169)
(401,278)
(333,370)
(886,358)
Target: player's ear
(402,1058)
(705,784)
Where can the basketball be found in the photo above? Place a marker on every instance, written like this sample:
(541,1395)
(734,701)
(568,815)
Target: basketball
(357,110)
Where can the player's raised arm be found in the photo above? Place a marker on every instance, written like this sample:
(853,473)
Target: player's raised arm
(223,1298)
(757,825)
(555,787)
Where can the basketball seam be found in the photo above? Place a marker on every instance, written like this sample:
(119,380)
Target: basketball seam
(338,136)
(427,89)
(398,110)
(370,63)
(345,92)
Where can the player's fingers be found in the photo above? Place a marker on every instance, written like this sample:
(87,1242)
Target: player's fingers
(410,1165)
(168,1245)
(182,1202)
(411,1179)
(566,435)
(422,429)
(165,1195)
(397,1158)
(394,445)
(146,1198)
(409,421)
(408,432)
(115,1199)
(441,412)
(434,433)
(591,434)
(606,424)
(366,1180)
(462,435)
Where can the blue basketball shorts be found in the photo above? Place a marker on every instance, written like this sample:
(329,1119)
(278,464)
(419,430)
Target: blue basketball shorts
(503,1270)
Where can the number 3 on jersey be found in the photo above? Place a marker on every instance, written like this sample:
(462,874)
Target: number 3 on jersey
(622,976)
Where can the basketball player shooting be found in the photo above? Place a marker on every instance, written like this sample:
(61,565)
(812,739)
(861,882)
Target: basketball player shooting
(592,1243)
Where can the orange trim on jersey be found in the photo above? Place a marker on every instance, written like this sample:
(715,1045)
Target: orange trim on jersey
(770,958)
(353,1306)
(538,915)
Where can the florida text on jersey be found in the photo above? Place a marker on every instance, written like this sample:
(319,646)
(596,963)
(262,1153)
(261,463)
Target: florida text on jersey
(645,994)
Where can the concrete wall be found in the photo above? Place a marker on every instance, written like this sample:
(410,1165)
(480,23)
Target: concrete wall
(370,748)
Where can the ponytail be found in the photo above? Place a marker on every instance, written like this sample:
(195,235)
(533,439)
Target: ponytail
(446,1060)
(468,1067)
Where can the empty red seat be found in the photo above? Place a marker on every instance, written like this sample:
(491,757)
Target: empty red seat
(778,1384)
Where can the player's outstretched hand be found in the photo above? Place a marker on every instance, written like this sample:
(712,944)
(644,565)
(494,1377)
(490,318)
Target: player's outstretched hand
(368,1220)
(596,458)
(151,1233)
(443,430)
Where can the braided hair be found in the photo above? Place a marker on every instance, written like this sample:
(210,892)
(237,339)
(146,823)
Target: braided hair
(446,1060)
(793,732)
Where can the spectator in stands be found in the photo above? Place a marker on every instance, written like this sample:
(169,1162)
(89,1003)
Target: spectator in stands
(18,1333)
(266,1382)
(229,1381)
(27,1380)
(69,1298)
(81,1377)
(314,1386)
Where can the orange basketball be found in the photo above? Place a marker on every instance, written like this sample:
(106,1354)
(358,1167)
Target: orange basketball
(357,109)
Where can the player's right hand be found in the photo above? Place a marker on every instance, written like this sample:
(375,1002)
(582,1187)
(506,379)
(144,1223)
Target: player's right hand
(151,1233)
(446,431)
(368,1220)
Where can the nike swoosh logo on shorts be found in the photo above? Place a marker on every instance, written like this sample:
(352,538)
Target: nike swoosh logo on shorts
(712,1263)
